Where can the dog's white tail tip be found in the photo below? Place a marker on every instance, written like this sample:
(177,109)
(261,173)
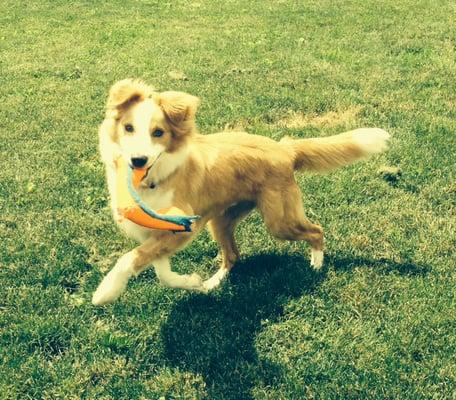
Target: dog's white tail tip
(371,140)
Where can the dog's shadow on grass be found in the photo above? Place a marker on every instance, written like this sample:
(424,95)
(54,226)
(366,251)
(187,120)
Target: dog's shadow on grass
(214,335)
(381,266)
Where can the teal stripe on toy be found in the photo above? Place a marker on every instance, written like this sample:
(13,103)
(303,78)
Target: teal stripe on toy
(182,220)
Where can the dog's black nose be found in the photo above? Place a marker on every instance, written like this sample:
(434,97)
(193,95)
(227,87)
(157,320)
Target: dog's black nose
(139,162)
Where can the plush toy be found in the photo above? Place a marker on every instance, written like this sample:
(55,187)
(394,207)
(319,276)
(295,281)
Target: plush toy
(131,207)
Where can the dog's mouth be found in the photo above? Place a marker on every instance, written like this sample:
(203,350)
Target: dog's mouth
(144,180)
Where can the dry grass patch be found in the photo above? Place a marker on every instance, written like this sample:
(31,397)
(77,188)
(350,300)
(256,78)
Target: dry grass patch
(330,119)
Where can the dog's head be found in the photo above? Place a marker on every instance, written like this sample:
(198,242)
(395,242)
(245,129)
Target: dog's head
(149,123)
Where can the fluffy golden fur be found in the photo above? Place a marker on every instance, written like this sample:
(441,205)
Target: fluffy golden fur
(220,177)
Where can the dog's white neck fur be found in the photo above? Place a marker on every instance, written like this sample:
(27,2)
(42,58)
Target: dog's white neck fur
(167,164)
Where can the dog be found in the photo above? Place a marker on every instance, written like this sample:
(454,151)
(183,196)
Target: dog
(221,177)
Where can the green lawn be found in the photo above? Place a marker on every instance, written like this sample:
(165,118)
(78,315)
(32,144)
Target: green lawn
(377,322)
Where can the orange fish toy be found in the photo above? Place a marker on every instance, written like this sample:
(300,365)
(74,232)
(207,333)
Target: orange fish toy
(131,207)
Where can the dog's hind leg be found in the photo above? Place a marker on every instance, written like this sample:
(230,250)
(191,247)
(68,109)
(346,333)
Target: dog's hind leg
(284,216)
(222,230)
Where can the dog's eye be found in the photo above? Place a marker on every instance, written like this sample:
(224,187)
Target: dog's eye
(157,133)
(129,128)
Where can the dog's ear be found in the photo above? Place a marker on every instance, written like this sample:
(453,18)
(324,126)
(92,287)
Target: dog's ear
(126,92)
(179,107)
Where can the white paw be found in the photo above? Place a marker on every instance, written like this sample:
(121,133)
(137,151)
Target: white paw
(115,282)
(215,280)
(316,259)
(110,288)
(194,282)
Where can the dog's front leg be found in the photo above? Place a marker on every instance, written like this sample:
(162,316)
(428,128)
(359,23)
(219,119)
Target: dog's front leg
(173,279)
(115,282)
(156,251)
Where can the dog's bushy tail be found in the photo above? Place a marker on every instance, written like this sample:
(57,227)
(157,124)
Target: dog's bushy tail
(328,153)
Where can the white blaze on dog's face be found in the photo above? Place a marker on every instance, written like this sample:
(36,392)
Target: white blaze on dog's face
(143,133)
(150,124)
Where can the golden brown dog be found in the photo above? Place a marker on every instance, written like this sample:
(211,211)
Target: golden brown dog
(220,177)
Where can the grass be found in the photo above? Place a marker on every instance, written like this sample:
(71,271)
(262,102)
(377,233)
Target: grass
(377,322)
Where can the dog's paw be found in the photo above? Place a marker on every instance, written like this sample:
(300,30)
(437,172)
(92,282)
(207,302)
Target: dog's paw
(195,282)
(215,280)
(110,288)
(316,259)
